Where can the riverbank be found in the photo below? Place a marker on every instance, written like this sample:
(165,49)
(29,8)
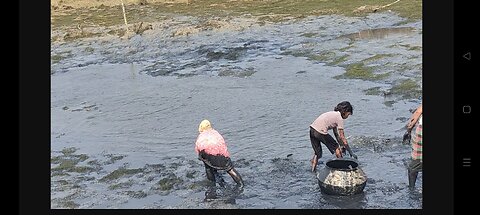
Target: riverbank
(71,14)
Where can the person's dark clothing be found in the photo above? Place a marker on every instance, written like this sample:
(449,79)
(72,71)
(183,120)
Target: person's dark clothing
(219,162)
(414,167)
(316,138)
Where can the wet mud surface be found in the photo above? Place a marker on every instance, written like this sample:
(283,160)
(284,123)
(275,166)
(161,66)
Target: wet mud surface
(125,111)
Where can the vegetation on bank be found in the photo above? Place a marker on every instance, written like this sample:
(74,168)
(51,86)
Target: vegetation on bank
(109,12)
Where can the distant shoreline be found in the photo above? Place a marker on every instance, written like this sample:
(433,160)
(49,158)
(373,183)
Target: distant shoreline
(75,12)
(96,3)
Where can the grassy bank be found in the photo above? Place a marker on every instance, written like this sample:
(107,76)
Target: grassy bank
(109,12)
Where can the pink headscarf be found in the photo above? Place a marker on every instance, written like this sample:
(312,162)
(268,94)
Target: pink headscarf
(212,142)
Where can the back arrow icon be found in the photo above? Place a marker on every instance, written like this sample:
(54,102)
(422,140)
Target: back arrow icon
(468,56)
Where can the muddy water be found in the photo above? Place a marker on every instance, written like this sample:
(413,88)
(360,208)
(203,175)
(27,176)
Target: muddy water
(379,33)
(124,114)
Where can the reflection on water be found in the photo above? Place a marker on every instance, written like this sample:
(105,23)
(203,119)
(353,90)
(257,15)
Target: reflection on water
(379,33)
(347,202)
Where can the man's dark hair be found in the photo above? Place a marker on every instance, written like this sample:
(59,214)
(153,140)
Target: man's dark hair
(343,107)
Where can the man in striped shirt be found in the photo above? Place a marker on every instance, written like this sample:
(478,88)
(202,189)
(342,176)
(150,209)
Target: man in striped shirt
(415,164)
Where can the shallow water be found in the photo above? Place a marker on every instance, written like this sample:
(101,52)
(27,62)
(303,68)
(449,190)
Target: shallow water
(124,115)
(379,33)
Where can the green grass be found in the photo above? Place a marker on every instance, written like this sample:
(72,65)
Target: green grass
(120,185)
(411,48)
(120,172)
(71,158)
(407,89)
(373,91)
(326,56)
(57,58)
(69,151)
(360,71)
(323,57)
(269,10)
(339,60)
(68,162)
(297,53)
(168,182)
(70,166)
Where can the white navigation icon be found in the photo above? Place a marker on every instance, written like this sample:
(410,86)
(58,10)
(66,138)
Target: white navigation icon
(467,162)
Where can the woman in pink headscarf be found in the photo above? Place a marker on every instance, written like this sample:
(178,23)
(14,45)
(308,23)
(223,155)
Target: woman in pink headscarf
(212,150)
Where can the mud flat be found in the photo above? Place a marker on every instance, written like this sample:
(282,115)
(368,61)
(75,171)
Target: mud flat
(125,104)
